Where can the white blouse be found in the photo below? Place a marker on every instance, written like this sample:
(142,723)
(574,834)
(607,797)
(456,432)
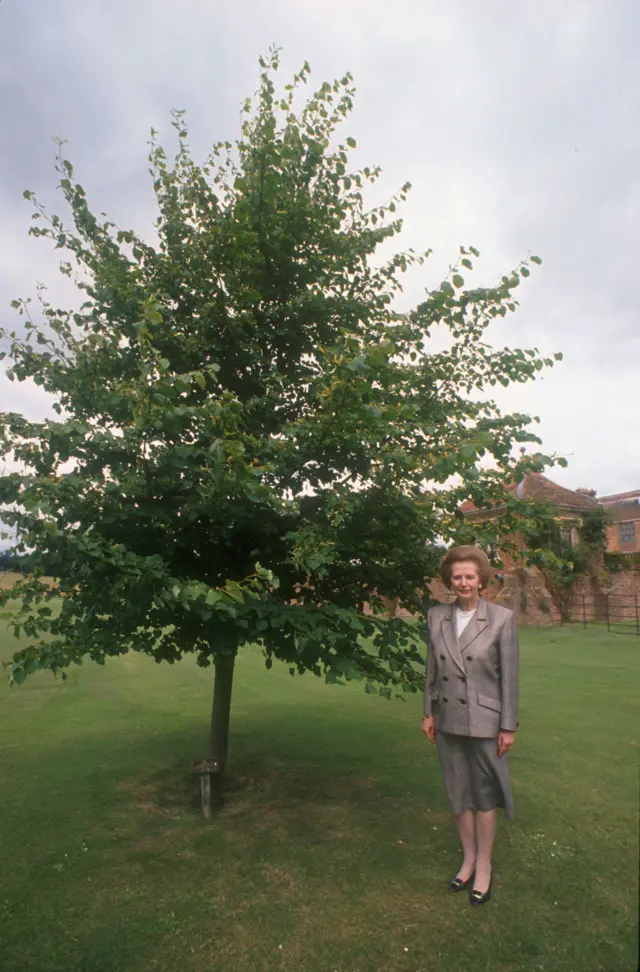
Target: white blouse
(462,619)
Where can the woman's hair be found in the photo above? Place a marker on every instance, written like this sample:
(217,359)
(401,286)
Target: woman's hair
(456,554)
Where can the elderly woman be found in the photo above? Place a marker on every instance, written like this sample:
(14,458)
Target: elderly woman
(470,709)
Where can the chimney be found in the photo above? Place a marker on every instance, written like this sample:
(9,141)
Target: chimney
(587,492)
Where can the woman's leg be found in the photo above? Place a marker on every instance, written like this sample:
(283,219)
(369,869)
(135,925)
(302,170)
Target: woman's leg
(486,822)
(454,756)
(467,832)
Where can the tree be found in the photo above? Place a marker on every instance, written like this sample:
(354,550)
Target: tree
(256,442)
(7,560)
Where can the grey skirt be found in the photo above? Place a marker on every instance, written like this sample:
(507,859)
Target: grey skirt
(474,777)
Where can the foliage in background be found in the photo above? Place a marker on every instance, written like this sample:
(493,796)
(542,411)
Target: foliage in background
(551,547)
(617,561)
(251,442)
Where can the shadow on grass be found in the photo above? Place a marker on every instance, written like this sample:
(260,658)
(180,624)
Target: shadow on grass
(274,780)
(126,867)
(325,831)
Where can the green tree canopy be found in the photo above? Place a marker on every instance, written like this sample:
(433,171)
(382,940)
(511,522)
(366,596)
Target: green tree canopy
(257,442)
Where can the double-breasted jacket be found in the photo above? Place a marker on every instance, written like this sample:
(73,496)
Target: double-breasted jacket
(471,684)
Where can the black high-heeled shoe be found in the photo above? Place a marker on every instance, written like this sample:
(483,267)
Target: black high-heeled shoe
(478,897)
(457,884)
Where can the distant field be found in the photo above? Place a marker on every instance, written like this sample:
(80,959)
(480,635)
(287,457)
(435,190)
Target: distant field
(8,579)
(335,845)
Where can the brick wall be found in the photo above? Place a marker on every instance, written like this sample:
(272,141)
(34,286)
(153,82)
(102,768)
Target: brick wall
(525,591)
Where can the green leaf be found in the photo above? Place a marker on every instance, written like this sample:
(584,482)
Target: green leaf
(234,590)
(536,259)
(18,674)
(457,280)
(333,678)
(358,363)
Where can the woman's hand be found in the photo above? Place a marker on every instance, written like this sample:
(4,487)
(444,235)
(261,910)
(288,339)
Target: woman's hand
(429,728)
(505,742)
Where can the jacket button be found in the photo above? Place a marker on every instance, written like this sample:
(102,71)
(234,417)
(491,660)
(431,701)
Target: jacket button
(462,701)
(442,657)
(468,657)
(444,700)
(445,678)
(463,678)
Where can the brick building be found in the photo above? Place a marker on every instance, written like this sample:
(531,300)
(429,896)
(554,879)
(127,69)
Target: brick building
(525,589)
(623,516)
(569,507)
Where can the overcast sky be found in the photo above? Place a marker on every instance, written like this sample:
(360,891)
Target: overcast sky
(516,121)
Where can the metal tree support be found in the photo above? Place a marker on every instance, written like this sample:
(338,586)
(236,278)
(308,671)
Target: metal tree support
(209,773)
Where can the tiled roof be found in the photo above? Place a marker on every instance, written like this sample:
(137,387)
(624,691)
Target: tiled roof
(625,511)
(537,487)
(543,490)
(616,498)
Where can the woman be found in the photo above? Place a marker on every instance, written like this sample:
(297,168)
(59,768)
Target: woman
(470,709)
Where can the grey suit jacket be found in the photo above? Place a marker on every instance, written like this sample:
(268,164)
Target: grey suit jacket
(471,686)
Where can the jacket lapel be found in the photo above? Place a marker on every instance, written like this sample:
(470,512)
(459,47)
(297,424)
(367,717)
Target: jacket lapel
(449,636)
(476,626)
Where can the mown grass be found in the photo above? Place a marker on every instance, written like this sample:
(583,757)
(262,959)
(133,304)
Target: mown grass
(335,846)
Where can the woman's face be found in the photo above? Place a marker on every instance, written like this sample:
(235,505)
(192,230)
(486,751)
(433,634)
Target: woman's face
(465,580)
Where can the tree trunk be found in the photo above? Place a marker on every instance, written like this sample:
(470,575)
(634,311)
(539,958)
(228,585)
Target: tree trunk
(221,710)
(210,772)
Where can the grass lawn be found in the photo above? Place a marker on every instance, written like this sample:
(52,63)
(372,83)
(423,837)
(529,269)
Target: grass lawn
(335,845)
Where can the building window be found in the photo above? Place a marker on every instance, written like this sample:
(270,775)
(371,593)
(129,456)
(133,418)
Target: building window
(628,532)
(569,534)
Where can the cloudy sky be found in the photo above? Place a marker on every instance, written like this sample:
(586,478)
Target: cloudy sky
(518,124)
